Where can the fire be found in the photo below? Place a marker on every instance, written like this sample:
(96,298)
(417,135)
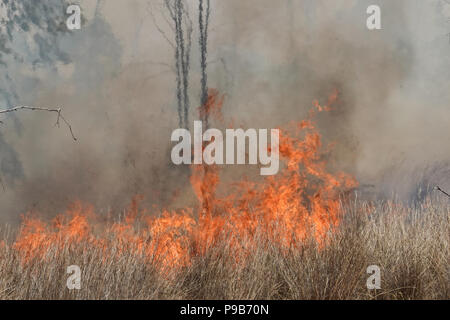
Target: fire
(299,203)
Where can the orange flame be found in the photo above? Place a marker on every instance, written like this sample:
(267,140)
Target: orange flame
(302,201)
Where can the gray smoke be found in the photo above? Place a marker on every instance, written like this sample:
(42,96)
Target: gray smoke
(271,59)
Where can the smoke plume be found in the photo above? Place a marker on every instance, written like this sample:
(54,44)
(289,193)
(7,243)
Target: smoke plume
(271,59)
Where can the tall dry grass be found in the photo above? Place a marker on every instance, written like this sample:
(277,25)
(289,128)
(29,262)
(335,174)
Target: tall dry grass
(410,245)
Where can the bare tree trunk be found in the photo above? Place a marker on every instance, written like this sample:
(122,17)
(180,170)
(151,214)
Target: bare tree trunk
(203,22)
(183,38)
(178,54)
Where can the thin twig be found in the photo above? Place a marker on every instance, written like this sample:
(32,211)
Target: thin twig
(57,110)
(149,10)
(439,189)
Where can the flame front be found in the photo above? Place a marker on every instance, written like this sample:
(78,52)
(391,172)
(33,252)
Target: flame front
(300,203)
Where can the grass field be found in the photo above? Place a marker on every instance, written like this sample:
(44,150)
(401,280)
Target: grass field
(410,245)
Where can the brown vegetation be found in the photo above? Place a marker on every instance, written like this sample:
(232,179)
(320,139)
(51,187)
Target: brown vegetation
(410,245)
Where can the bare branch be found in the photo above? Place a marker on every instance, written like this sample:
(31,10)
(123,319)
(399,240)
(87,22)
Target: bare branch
(56,110)
(161,31)
(166,19)
(162,64)
(170,9)
(439,189)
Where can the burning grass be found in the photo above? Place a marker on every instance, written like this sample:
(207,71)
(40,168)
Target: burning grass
(300,202)
(289,236)
(411,246)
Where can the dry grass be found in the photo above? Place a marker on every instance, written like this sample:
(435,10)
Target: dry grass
(411,246)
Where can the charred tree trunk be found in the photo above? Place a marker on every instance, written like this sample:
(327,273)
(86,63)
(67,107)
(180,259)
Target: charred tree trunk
(203,22)
(183,34)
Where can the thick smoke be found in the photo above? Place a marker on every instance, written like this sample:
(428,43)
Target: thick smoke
(271,59)
(389,123)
